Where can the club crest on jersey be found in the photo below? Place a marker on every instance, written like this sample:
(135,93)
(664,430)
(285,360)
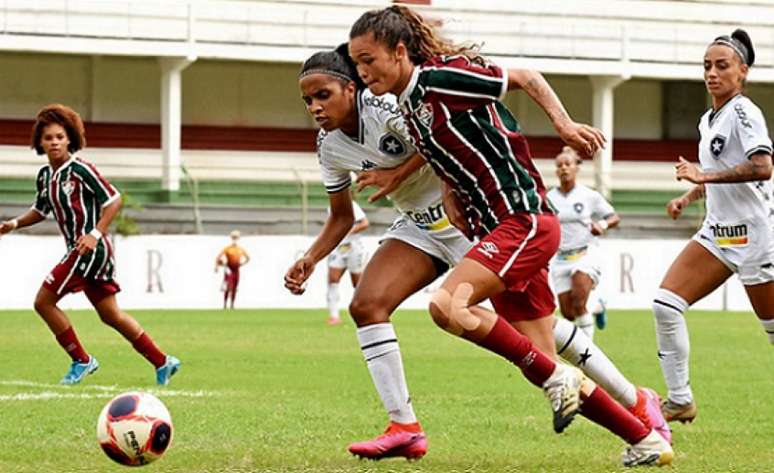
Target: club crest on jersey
(392,145)
(578,207)
(68,187)
(425,114)
(716,145)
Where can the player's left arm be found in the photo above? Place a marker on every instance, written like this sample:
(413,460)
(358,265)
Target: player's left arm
(757,168)
(609,216)
(88,242)
(387,180)
(246,258)
(585,139)
(360,226)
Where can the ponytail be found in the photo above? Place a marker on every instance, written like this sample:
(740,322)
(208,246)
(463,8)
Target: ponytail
(399,23)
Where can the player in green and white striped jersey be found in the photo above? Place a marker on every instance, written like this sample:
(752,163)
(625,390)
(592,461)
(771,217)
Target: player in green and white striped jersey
(83,204)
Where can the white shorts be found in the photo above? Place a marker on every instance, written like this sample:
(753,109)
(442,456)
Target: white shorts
(748,253)
(352,256)
(448,245)
(566,263)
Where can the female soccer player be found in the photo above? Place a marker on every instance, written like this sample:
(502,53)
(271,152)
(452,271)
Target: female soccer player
(231,258)
(450,98)
(331,69)
(350,256)
(84,203)
(365,134)
(575,270)
(736,236)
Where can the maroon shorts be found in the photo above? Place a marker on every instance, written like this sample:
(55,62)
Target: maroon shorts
(64,279)
(231,278)
(519,251)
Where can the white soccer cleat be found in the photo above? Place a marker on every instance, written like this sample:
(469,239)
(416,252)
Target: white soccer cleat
(653,450)
(563,392)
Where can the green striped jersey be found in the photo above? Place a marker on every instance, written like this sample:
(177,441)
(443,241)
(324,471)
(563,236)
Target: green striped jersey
(455,117)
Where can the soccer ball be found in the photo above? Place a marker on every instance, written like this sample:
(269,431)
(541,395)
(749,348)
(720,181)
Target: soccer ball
(134,428)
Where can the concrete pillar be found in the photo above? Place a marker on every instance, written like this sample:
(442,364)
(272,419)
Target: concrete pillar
(171,92)
(602,118)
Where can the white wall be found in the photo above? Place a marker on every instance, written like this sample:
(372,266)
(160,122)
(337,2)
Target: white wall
(177,272)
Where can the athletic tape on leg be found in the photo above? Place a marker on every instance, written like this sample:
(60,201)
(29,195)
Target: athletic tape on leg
(454,308)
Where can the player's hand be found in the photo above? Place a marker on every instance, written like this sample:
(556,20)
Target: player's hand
(297,275)
(385,180)
(596,229)
(456,214)
(7,227)
(85,244)
(684,169)
(585,139)
(676,206)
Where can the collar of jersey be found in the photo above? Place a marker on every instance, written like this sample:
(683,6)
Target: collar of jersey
(63,166)
(715,113)
(409,90)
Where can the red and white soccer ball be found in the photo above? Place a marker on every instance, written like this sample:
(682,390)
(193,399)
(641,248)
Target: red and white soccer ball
(134,428)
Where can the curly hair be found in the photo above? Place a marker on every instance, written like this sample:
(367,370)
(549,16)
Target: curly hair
(61,115)
(398,23)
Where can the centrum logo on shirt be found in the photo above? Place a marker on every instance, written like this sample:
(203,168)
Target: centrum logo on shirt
(431,218)
(729,236)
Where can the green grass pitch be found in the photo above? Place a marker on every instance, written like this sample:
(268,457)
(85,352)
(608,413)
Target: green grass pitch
(279,391)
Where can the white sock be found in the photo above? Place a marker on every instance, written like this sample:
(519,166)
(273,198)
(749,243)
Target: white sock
(586,323)
(768,326)
(382,354)
(333,299)
(574,346)
(673,344)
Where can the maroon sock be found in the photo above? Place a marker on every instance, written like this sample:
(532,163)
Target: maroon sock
(601,409)
(507,342)
(69,341)
(145,346)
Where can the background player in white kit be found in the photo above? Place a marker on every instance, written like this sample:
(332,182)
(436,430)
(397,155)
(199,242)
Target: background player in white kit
(350,256)
(583,214)
(736,236)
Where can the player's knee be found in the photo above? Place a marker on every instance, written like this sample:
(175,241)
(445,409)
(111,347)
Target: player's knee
(40,304)
(110,317)
(577,308)
(368,310)
(440,308)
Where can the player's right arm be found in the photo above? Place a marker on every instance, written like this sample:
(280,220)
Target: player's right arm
(37,213)
(30,217)
(676,206)
(387,180)
(219,259)
(583,138)
(339,223)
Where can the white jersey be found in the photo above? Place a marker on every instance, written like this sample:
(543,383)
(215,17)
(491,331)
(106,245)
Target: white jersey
(729,137)
(359,215)
(382,142)
(576,210)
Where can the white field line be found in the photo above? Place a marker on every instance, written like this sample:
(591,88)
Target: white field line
(103,392)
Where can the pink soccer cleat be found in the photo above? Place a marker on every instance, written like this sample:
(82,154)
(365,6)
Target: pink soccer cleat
(398,440)
(648,410)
